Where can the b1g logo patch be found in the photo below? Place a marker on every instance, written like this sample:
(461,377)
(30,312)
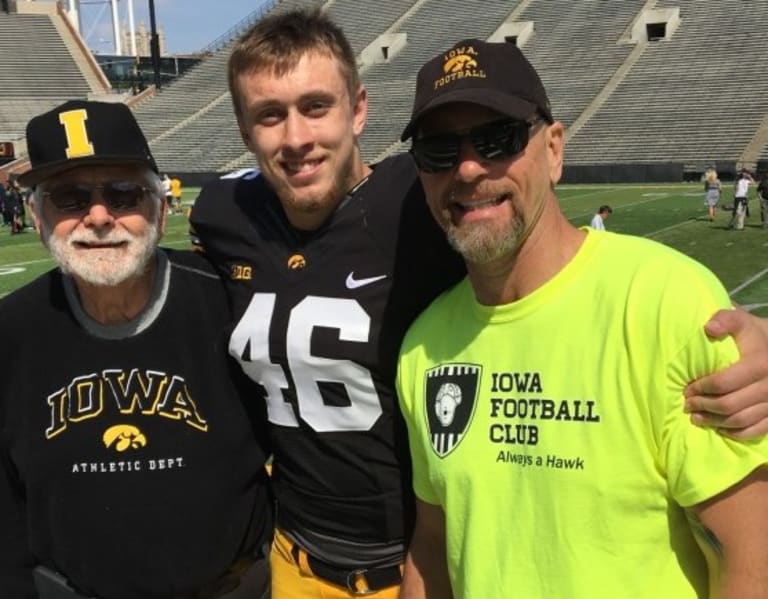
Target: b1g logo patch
(450,395)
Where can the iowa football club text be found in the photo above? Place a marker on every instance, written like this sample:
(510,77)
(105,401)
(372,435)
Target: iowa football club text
(530,410)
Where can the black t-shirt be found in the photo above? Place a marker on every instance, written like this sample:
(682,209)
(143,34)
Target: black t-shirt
(130,465)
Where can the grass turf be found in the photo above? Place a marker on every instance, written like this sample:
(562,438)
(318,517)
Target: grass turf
(672,214)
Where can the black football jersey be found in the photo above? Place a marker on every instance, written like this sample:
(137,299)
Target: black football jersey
(319,319)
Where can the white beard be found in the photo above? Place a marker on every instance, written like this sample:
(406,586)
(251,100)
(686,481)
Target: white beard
(104,267)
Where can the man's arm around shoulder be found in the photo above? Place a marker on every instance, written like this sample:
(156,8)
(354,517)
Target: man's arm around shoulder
(735,538)
(426,568)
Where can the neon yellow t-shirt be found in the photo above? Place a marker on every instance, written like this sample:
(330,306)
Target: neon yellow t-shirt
(552,432)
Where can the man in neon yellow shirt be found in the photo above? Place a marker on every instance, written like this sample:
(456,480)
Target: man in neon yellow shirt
(551,458)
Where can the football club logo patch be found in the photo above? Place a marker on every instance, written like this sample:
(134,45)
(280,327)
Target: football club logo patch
(450,395)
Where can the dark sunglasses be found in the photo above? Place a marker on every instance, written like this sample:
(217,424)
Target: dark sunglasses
(493,141)
(119,196)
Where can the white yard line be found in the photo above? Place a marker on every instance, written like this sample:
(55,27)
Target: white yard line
(748,282)
(622,186)
(11,264)
(586,195)
(649,200)
(41,260)
(669,228)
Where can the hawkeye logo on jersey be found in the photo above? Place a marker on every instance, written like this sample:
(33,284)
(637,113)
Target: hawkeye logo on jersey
(145,392)
(460,62)
(296,262)
(240,272)
(450,395)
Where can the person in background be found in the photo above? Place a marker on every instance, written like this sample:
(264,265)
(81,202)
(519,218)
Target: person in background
(176,193)
(130,466)
(762,193)
(14,202)
(712,190)
(598,220)
(3,197)
(741,200)
(8,204)
(167,193)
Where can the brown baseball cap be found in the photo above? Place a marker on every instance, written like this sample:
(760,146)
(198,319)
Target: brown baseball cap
(495,75)
(82,132)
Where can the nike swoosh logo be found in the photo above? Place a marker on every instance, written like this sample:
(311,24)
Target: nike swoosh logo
(353,283)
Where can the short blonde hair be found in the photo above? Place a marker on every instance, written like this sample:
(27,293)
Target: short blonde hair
(278,42)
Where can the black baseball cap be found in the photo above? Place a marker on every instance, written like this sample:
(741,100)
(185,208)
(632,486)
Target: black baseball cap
(81,132)
(495,75)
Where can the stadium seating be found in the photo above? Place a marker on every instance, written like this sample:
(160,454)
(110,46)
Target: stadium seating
(433,26)
(36,71)
(697,98)
(577,55)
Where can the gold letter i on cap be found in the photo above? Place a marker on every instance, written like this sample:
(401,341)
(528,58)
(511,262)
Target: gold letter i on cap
(78,144)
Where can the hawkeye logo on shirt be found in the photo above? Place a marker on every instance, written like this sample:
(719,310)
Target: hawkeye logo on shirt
(451,395)
(123,437)
(146,392)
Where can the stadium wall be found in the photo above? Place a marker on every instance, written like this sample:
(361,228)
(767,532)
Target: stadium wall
(193,179)
(623,173)
(599,173)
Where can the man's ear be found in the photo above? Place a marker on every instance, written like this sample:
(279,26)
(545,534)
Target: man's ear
(555,151)
(359,110)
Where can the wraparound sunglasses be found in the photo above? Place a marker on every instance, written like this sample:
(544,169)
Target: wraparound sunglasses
(493,141)
(76,198)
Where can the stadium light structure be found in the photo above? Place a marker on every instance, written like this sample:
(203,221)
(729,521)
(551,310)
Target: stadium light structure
(154,45)
(132,29)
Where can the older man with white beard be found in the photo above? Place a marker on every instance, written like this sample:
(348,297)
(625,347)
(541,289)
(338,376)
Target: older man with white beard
(111,246)
(129,466)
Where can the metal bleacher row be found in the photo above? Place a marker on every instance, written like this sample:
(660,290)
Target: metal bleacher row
(36,71)
(210,140)
(575,57)
(431,27)
(698,97)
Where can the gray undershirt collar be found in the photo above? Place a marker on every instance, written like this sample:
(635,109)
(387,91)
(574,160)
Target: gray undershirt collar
(137,324)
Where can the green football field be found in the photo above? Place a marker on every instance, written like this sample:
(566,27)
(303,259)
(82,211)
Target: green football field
(671,214)
(675,215)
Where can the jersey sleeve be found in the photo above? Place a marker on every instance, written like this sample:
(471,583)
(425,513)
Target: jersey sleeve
(212,206)
(699,462)
(220,206)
